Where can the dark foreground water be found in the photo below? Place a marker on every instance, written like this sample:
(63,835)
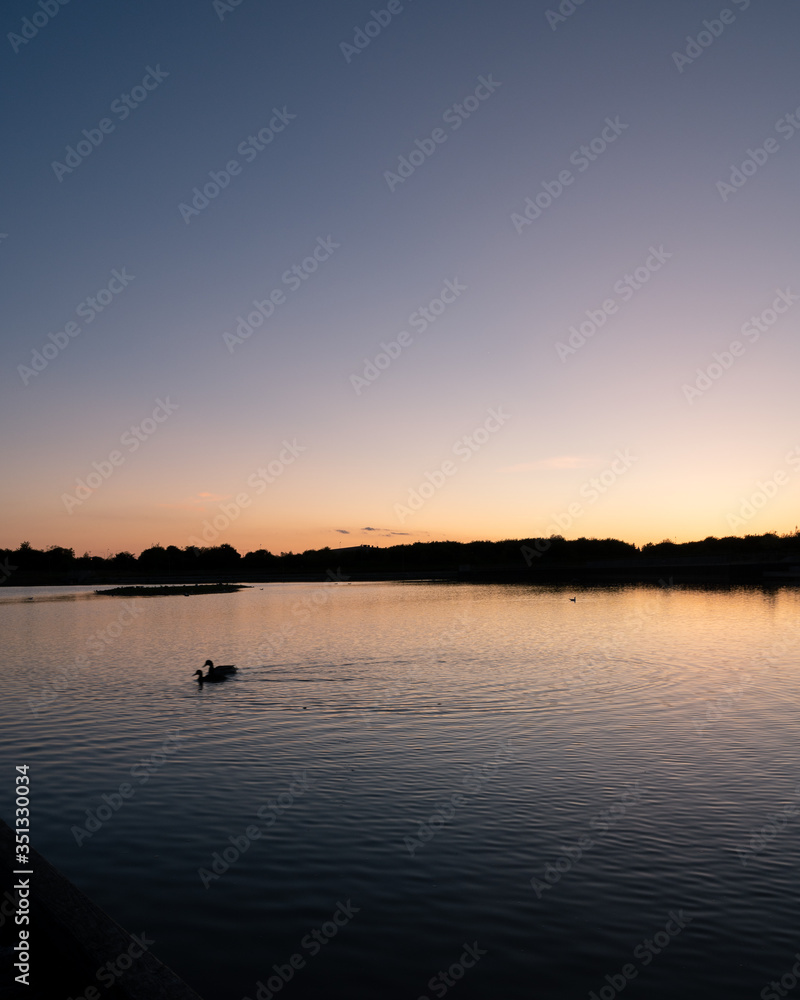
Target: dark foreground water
(420,790)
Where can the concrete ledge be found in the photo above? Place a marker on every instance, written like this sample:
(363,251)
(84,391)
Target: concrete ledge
(71,938)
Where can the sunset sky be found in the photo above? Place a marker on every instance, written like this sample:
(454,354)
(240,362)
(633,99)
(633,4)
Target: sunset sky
(391,163)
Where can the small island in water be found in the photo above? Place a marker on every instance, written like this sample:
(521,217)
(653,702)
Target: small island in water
(198,588)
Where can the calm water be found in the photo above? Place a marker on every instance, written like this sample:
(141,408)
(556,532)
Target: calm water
(411,756)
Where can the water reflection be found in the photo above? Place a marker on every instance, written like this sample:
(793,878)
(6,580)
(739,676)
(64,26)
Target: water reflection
(621,755)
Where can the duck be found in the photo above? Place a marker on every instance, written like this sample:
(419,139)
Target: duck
(223,670)
(209,677)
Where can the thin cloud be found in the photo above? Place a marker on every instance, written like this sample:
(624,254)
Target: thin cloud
(379,532)
(556,462)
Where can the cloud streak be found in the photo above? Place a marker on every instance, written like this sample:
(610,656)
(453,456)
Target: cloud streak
(557,462)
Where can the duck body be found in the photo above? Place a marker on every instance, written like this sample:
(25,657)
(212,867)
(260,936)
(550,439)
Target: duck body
(209,678)
(222,670)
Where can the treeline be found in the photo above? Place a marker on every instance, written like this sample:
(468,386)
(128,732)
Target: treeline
(55,564)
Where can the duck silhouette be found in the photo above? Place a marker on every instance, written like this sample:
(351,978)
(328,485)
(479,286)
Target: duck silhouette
(573,599)
(209,678)
(223,670)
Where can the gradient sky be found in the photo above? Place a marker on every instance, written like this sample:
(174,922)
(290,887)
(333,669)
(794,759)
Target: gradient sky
(359,449)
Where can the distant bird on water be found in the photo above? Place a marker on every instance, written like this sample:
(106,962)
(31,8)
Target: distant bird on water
(573,599)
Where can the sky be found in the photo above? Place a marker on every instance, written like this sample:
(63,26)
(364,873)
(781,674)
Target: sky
(524,269)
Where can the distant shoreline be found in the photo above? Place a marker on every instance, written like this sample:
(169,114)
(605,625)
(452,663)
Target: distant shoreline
(664,574)
(768,559)
(167,591)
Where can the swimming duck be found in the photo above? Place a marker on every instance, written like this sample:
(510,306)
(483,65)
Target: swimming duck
(209,677)
(222,670)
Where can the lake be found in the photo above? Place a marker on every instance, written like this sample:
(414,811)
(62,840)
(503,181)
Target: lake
(415,789)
